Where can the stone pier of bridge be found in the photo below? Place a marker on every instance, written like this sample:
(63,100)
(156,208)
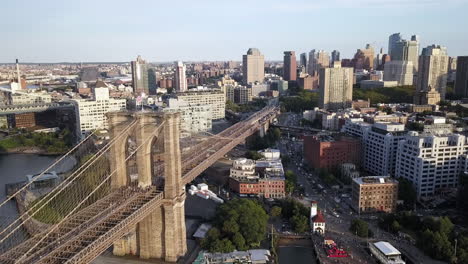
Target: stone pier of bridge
(154,137)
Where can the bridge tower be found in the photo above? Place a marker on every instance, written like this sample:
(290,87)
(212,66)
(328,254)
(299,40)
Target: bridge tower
(162,234)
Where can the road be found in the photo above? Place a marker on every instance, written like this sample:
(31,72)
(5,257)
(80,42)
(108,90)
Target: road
(338,216)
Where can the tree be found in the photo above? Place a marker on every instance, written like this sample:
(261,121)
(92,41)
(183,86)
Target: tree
(360,228)
(239,241)
(251,154)
(275,211)
(246,217)
(299,223)
(395,226)
(407,193)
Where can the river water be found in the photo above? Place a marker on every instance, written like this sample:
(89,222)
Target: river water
(15,167)
(296,255)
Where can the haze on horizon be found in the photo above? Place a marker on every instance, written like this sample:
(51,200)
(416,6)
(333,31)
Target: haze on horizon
(160,31)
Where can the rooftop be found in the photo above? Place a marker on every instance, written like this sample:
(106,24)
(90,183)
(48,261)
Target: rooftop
(374,180)
(386,248)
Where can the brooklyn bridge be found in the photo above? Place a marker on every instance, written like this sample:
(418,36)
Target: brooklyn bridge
(127,194)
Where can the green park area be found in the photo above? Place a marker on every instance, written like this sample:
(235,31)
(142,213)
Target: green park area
(52,143)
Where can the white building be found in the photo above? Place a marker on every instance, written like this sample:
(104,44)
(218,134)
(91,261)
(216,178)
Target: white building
(379,141)
(179,77)
(317,221)
(431,162)
(213,98)
(380,147)
(90,113)
(30,98)
(194,118)
(385,253)
(270,154)
(399,71)
(243,169)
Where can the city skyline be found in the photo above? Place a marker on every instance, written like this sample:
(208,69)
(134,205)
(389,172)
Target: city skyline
(209,31)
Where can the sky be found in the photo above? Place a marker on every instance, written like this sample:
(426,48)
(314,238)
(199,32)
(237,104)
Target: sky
(198,30)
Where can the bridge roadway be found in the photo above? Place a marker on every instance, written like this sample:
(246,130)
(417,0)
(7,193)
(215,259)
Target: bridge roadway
(88,233)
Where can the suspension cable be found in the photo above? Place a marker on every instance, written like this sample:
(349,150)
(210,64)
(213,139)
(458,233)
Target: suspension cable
(46,170)
(91,193)
(58,188)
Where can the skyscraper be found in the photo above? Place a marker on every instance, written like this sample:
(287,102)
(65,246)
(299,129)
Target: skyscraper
(336,87)
(400,71)
(335,55)
(407,50)
(312,59)
(179,77)
(290,66)
(364,58)
(142,82)
(253,66)
(318,60)
(461,81)
(303,60)
(432,71)
(392,40)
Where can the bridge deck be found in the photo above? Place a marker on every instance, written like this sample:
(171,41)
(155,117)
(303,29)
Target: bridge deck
(88,233)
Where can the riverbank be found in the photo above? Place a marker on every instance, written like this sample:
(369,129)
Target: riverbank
(30,150)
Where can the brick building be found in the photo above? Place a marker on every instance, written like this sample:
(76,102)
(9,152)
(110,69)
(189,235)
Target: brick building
(374,194)
(330,151)
(264,177)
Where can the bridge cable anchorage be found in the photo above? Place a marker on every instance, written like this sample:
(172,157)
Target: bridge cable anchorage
(55,226)
(60,188)
(8,198)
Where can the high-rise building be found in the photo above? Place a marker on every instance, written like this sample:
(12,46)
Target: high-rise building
(378,59)
(400,71)
(380,147)
(433,163)
(407,50)
(461,81)
(317,60)
(179,77)
(143,78)
(432,71)
(303,60)
(289,66)
(253,66)
(335,87)
(364,58)
(335,56)
(392,40)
